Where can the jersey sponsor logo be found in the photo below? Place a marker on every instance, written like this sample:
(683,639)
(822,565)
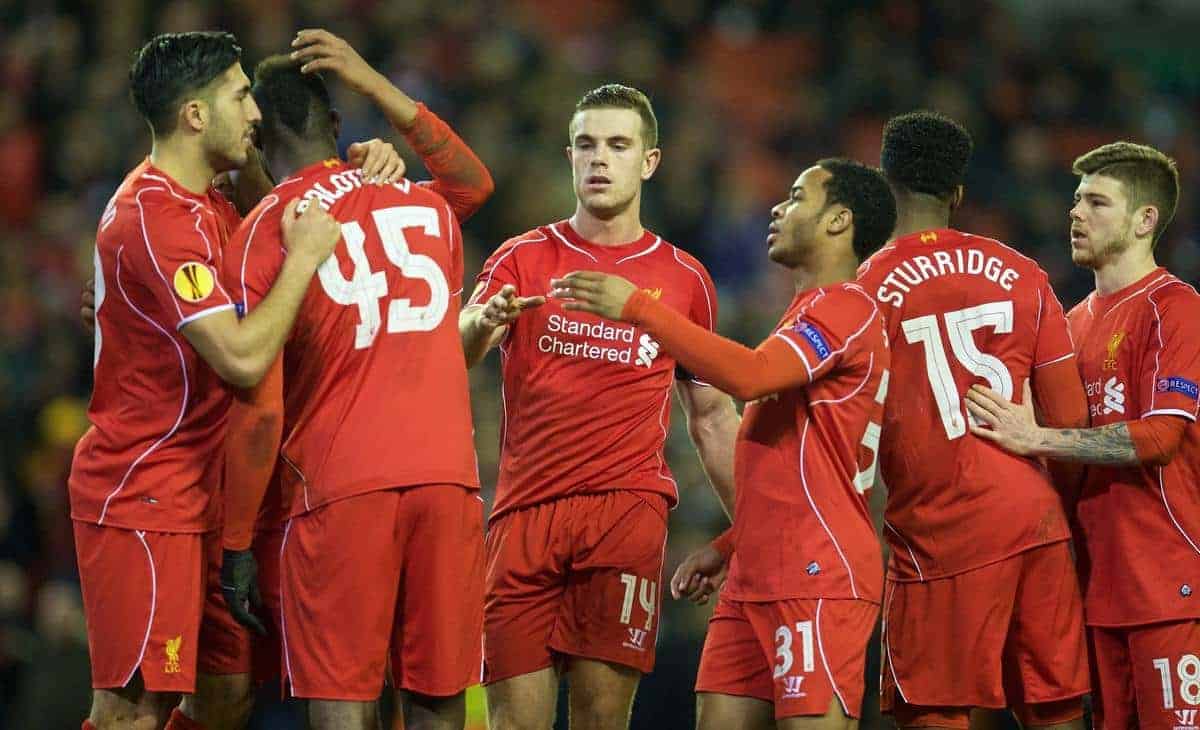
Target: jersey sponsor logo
(1114,396)
(173,665)
(647,351)
(792,687)
(636,640)
(809,331)
(1185,719)
(194,282)
(1110,362)
(1177,384)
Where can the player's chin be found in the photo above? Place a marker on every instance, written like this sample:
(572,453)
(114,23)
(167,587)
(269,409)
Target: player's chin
(1083,257)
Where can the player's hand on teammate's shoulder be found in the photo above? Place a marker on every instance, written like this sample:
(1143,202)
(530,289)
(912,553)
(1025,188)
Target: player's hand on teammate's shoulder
(505,306)
(312,234)
(323,51)
(379,161)
(592,291)
(1011,426)
(701,574)
(87,305)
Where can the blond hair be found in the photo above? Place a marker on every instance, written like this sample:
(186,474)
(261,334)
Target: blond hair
(619,96)
(1149,176)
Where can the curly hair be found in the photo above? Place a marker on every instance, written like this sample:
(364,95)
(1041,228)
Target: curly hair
(925,152)
(867,194)
(291,100)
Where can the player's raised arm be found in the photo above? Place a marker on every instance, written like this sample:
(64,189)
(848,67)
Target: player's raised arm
(458,174)
(242,351)
(777,364)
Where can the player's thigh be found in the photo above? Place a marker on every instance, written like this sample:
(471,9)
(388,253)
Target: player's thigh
(1165,664)
(426,712)
(833,719)
(524,584)
(816,650)
(142,597)
(341,715)
(1045,658)
(438,625)
(611,606)
(524,702)
(944,638)
(340,573)
(600,694)
(716,711)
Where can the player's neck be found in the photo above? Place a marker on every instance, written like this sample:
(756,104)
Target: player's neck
(1127,268)
(624,227)
(824,273)
(284,163)
(184,162)
(909,221)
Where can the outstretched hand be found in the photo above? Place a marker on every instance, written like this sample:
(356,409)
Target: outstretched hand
(594,292)
(699,575)
(505,306)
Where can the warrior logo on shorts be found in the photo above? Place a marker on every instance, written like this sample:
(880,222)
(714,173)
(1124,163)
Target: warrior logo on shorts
(194,282)
(637,639)
(172,650)
(1185,720)
(791,687)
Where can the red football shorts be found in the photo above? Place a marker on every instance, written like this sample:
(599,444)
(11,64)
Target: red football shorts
(394,575)
(797,654)
(577,576)
(143,593)
(1146,677)
(226,647)
(1008,634)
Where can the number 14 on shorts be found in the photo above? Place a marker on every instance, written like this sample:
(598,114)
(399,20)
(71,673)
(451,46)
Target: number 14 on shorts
(645,591)
(1188,671)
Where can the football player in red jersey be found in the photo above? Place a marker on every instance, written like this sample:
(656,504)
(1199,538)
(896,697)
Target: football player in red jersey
(144,477)
(979,612)
(786,646)
(577,534)
(381,557)
(1137,339)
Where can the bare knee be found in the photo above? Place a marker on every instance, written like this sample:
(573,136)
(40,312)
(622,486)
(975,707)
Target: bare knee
(221,702)
(527,702)
(130,708)
(601,694)
(339,715)
(427,712)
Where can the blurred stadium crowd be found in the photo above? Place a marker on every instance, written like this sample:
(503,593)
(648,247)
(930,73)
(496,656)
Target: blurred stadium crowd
(748,93)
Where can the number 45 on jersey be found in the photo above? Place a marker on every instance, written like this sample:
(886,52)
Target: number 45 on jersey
(366,287)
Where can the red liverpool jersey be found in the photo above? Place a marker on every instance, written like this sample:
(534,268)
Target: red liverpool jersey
(375,381)
(960,310)
(1139,354)
(152,458)
(806,457)
(587,402)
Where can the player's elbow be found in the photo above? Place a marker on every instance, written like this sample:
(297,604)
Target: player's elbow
(241,372)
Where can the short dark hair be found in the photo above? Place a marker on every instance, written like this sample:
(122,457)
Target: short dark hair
(173,65)
(925,152)
(291,100)
(1149,176)
(867,194)
(619,96)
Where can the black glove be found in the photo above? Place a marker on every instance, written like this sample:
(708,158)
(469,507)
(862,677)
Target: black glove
(239,583)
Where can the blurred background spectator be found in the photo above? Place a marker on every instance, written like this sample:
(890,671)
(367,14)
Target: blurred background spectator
(748,93)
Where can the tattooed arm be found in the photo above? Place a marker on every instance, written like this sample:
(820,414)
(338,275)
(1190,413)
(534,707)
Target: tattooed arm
(1153,440)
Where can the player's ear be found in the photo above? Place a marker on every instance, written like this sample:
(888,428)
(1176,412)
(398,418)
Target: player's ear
(840,222)
(957,197)
(193,115)
(650,162)
(1145,220)
(335,121)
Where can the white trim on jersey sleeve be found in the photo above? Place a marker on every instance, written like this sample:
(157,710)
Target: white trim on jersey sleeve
(1170,412)
(1068,356)
(203,313)
(800,352)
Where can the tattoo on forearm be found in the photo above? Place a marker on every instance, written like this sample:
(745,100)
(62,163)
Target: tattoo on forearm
(1110,444)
